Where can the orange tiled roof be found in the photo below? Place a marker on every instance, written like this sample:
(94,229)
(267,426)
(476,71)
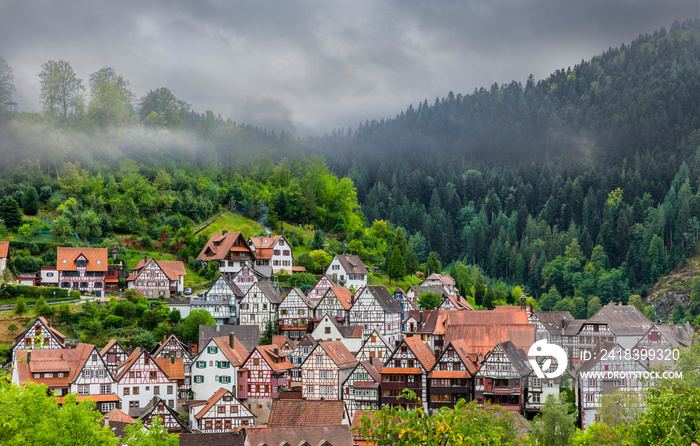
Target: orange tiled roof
(421,352)
(219,245)
(95,398)
(343,294)
(449,374)
(172,370)
(96,258)
(172,269)
(268,353)
(4,250)
(236,355)
(402,370)
(212,401)
(66,360)
(339,353)
(118,415)
(109,345)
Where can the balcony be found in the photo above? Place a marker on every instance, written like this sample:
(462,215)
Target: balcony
(289,325)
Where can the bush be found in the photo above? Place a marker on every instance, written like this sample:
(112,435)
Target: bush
(20,306)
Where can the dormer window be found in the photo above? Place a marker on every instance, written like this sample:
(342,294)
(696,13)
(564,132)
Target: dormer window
(81,263)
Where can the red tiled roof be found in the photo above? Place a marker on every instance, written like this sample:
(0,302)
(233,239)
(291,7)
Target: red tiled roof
(449,374)
(338,353)
(109,346)
(236,355)
(421,352)
(343,294)
(66,360)
(225,245)
(285,413)
(172,269)
(365,384)
(4,250)
(402,370)
(92,255)
(212,401)
(95,398)
(118,415)
(268,353)
(173,371)
(264,242)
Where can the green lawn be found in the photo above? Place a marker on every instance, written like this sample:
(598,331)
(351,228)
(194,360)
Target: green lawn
(232,222)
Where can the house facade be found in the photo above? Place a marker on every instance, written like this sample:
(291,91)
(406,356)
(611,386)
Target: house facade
(140,378)
(375,308)
(336,303)
(407,368)
(174,353)
(374,347)
(452,376)
(360,391)
(406,305)
(222,412)
(316,293)
(4,256)
(216,365)
(259,305)
(113,354)
(274,251)
(221,301)
(327,366)
(245,278)
(294,315)
(664,339)
(39,335)
(262,376)
(329,330)
(82,269)
(297,357)
(502,377)
(154,278)
(348,271)
(159,408)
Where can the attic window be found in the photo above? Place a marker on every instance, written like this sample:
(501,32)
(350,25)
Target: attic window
(99,262)
(65,261)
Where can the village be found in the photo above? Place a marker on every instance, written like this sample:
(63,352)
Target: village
(341,348)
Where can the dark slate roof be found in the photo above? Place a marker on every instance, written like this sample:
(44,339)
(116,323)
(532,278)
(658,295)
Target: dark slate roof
(388,304)
(436,289)
(249,335)
(623,320)
(595,355)
(153,404)
(350,331)
(269,290)
(676,335)
(517,357)
(217,439)
(295,413)
(352,264)
(298,436)
(552,319)
(118,427)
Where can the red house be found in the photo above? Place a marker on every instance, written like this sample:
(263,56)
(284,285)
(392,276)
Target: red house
(263,373)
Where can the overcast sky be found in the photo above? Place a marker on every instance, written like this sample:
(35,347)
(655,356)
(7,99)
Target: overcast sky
(311,66)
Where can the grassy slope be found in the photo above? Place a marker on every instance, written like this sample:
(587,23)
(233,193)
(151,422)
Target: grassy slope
(234,223)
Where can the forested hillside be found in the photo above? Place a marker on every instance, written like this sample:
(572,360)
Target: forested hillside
(586,181)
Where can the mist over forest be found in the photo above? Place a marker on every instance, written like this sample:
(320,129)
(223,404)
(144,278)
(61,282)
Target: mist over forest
(581,184)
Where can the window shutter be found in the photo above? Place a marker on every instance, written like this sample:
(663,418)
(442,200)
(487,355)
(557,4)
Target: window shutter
(218,365)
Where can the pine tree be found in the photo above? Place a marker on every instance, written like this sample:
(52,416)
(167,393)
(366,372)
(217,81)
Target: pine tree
(396,269)
(433,265)
(30,201)
(411,261)
(10,212)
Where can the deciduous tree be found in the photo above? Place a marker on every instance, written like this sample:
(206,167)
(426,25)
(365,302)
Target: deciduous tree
(61,90)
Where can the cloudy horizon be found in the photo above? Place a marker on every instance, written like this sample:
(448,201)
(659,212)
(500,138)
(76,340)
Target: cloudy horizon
(310,67)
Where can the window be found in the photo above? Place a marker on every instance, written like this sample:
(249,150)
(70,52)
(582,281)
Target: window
(327,330)
(87,373)
(221,409)
(170,390)
(48,375)
(256,361)
(591,382)
(136,391)
(536,382)
(105,389)
(156,390)
(101,373)
(83,390)
(153,375)
(198,379)
(106,407)
(207,425)
(201,364)
(536,398)
(319,359)
(133,404)
(590,398)
(227,425)
(234,409)
(260,373)
(212,349)
(126,391)
(310,389)
(310,374)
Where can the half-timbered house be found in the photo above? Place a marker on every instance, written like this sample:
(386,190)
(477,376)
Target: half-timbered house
(663,340)
(221,300)
(375,346)
(329,330)
(274,251)
(246,277)
(302,349)
(217,364)
(360,391)
(174,369)
(452,376)
(336,302)
(222,412)
(502,377)
(328,365)
(259,305)
(39,335)
(169,418)
(78,370)
(261,378)
(285,344)
(316,293)
(550,325)
(113,354)
(607,371)
(455,302)
(407,368)
(374,307)
(294,314)
(154,278)
(539,389)
(581,336)
(229,250)
(446,282)
(82,269)
(429,326)
(627,322)
(348,270)
(140,378)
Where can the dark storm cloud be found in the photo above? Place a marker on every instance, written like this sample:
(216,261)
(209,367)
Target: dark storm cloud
(314,65)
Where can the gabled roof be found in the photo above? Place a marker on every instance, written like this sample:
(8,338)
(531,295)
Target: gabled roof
(299,436)
(174,368)
(483,338)
(280,340)
(213,439)
(433,321)
(459,302)
(264,245)
(379,336)
(172,269)
(4,250)
(278,362)
(268,289)
(623,320)
(351,264)
(96,258)
(421,352)
(306,340)
(229,283)
(60,337)
(249,335)
(153,405)
(211,402)
(435,289)
(118,415)
(460,347)
(178,342)
(299,293)
(373,369)
(552,320)
(676,335)
(338,353)
(236,355)
(444,278)
(343,295)
(220,244)
(350,331)
(307,413)
(516,357)
(383,298)
(112,342)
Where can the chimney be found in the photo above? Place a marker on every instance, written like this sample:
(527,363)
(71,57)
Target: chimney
(277,351)
(231,340)
(29,357)
(223,232)
(165,338)
(371,360)
(523,302)
(532,310)
(420,319)
(218,328)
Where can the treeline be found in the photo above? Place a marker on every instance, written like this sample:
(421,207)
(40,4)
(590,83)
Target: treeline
(582,184)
